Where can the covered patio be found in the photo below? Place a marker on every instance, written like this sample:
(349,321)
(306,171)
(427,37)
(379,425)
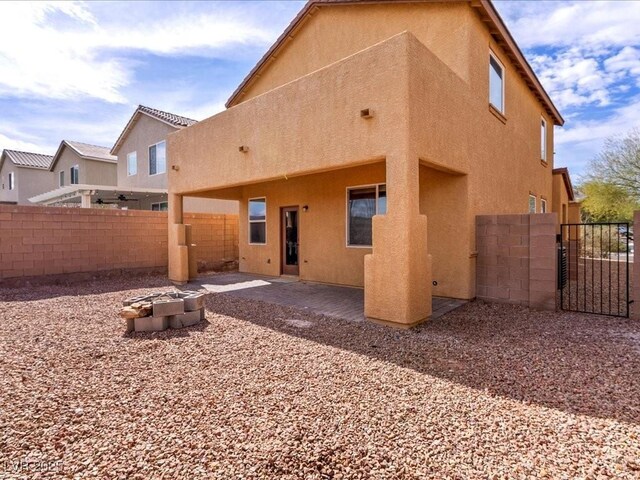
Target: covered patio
(336,301)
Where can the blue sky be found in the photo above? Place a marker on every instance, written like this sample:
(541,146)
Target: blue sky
(77,70)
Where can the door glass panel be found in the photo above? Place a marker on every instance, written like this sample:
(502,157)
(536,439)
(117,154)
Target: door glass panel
(291,232)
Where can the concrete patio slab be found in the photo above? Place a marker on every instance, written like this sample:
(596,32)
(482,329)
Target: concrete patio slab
(332,300)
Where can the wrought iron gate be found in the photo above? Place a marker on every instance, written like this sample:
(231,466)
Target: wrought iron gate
(593,268)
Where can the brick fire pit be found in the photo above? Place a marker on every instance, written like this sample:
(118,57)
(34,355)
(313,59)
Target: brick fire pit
(161,310)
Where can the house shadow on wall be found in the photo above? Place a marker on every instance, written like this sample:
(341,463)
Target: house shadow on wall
(580,364)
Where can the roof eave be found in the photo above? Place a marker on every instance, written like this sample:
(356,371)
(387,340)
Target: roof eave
(484,5)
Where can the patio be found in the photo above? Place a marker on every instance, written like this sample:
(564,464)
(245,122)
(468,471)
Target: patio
(346,303)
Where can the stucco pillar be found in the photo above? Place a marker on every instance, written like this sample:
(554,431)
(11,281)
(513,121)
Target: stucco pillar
(85,200)
(178,249)
(398,273)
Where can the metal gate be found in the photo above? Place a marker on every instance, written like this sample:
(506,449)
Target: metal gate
(593,268)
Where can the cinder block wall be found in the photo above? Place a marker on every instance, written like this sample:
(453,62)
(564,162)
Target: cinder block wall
(517,260)
(37,241)
(215,237)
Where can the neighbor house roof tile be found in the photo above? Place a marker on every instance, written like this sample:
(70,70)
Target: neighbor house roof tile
(29,159)
(177,121)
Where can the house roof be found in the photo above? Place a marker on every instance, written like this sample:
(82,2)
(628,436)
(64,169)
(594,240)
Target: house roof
(27,159)
(172,119)
(86,151)
(564,171)
(485,9)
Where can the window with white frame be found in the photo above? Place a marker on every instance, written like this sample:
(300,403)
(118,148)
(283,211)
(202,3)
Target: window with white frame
(158,158)
(12,181)
(543,139)
(532,203)
(160,206)
(61,178)
(132,163)
(362,204)
(496,83)
(75,174)
(258,221)
(543,205)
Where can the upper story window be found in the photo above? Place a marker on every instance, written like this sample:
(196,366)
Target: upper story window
(496,83)
(61,178)
(12,181)
(158,158)
(532,204)
(75,174)
(362,204)
(258,221)
(132,163)
(543,140)
(543,205)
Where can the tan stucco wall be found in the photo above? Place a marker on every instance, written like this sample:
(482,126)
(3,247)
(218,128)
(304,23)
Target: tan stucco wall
(473,162)
(560,203)
(148,131)
(324,255)
(334,33)
(91,172)
(28,183)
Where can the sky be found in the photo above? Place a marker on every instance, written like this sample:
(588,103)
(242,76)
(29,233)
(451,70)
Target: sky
(78,70)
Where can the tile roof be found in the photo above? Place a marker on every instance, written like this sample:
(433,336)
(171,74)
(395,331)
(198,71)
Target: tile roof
(91,151)
(172,118)
(29,159)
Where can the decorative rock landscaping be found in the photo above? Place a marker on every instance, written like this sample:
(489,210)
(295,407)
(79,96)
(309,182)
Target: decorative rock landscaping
(158,311)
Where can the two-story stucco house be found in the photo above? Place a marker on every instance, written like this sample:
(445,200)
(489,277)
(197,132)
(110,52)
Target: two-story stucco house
(363,145)
(142,160)
(82,174)
(23,175)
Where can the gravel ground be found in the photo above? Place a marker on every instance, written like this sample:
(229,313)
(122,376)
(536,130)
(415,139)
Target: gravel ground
(264,391)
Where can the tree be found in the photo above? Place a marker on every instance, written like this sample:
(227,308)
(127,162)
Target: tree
(607,202)
(619,164)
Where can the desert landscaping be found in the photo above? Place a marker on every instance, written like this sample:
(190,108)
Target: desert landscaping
(265,391)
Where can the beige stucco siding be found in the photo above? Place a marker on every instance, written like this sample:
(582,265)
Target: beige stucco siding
(310,125)
(91,172)
(332,34)
(28,183)
(146,132)
(149,131)
(324,254)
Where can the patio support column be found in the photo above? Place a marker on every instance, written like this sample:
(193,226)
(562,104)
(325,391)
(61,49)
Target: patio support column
(178,248)
(85,199)
(397,287)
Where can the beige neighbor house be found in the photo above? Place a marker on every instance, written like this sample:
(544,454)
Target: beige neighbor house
(364,144)
(142,160)
(564,201)
(23,175)
(82,175)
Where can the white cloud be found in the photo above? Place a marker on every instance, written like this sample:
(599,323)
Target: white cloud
(592,24)
(620,122)
(61,50)
(16,144)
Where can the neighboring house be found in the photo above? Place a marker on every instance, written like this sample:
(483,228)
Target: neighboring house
(82,174)
(564,203)
(143,163)
(364,144)
(23,175)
